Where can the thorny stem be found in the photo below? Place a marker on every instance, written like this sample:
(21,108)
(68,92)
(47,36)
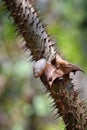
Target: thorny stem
(56,74)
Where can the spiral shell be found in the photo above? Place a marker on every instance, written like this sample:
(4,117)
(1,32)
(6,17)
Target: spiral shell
(39,67)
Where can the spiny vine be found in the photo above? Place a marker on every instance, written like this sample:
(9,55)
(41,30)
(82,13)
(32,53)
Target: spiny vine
(27,21)
(53,71)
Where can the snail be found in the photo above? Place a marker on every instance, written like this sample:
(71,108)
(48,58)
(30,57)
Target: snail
(39,67)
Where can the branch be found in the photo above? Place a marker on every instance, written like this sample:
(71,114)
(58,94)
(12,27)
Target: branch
(53,71)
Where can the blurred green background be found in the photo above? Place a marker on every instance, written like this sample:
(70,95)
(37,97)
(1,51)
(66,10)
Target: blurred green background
(24,104)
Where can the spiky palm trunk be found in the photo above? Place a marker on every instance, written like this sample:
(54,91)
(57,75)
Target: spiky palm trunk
(56,73)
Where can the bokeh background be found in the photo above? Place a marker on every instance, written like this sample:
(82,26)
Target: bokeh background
(24,104)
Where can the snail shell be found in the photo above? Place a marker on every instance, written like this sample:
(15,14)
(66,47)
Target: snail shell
(39,67)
